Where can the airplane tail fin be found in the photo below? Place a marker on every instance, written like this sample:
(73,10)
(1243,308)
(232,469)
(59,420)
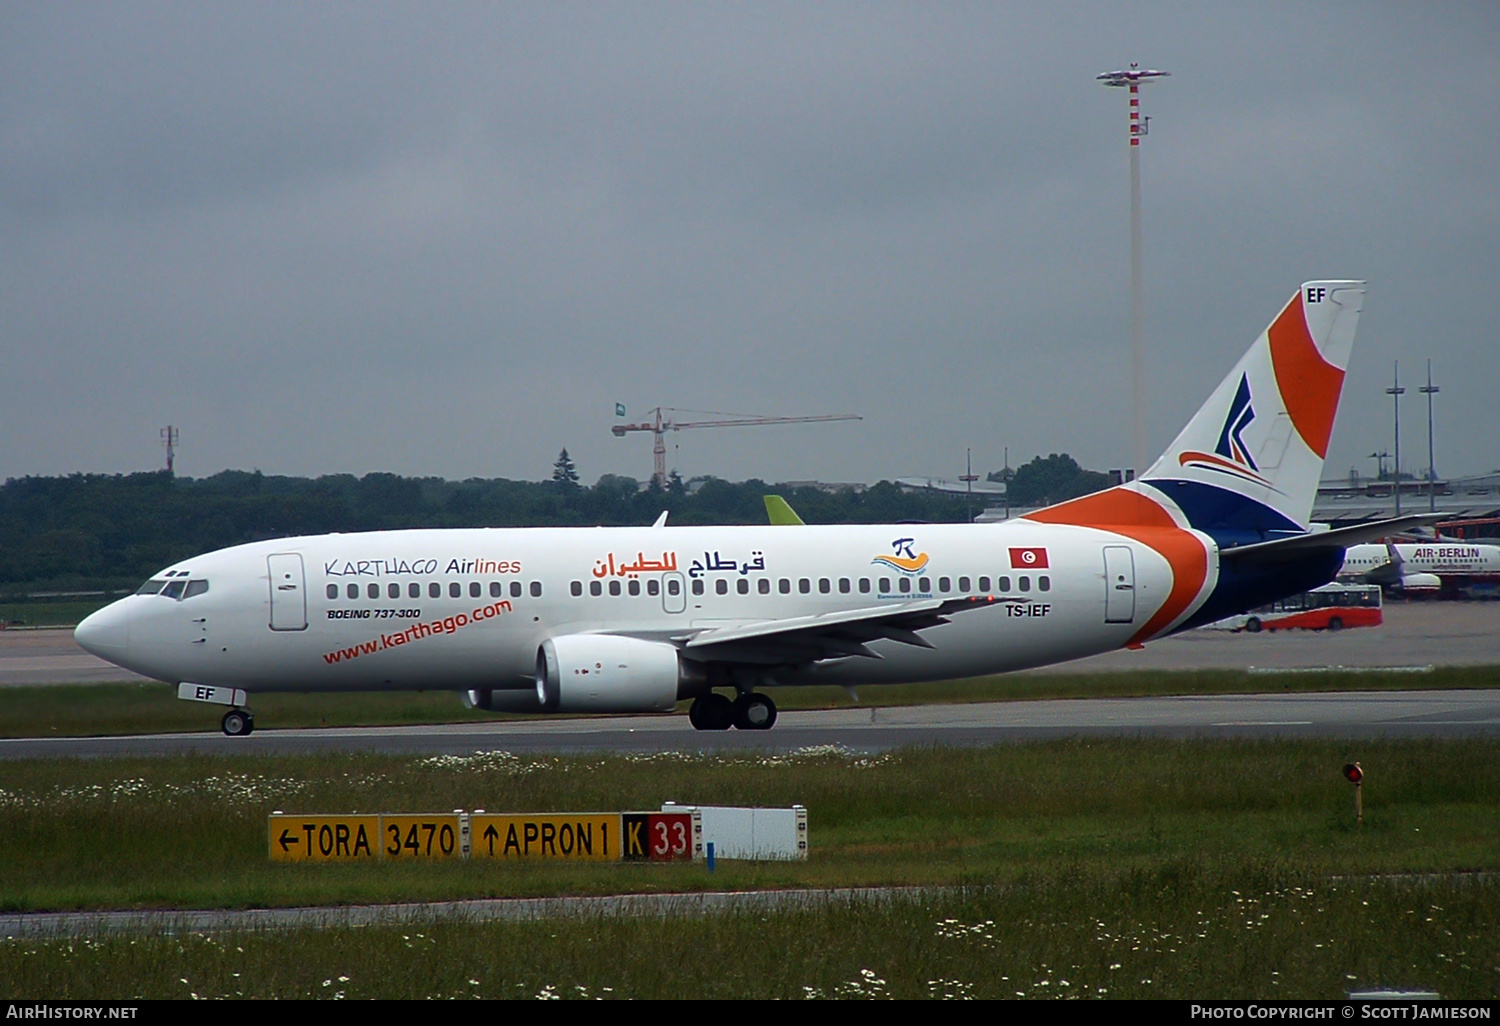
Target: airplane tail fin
(1247,465)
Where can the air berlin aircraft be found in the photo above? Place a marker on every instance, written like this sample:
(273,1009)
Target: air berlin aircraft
(615,620)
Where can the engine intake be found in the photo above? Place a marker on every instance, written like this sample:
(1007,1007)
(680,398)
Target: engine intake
(608,673)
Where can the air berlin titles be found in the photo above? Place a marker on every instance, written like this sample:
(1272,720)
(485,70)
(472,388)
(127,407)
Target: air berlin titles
(415,567)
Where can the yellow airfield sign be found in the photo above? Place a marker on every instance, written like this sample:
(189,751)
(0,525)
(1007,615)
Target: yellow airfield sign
(546,837)
(324,838)
(582,837)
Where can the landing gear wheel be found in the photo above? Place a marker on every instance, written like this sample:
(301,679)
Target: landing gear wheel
(237,723)
(754,712)
(1253,625)
(711,712)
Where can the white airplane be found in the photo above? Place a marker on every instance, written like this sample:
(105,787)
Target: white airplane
(1425,566)
(618,620)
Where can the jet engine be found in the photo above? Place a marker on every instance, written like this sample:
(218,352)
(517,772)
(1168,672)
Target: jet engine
(609,673)
(1421,582)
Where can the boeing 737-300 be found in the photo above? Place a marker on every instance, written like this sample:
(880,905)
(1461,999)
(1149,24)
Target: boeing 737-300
(615,620)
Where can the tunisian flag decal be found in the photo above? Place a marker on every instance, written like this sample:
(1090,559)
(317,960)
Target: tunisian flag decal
(1028,559)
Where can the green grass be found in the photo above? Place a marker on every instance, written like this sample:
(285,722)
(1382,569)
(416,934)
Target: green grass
(52,614)
(1176,932)
(191,831)
(1115,868)
(84,710)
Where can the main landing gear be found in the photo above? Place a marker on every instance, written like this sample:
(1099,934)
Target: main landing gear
(237,723)
(747,712)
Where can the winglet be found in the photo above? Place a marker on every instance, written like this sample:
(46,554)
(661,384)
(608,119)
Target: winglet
(780,513)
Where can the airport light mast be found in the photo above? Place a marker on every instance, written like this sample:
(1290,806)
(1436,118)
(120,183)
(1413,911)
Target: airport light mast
(1430,390)
(659,425)
(1396,392)
(1132,79)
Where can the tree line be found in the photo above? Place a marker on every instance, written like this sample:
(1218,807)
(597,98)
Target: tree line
(92,531)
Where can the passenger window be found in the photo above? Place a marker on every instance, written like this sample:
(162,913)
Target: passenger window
(515,589)
(434,590)
(864,586)
(455,590)
(721,586)
(885,586)
(674,587)
(984,584)
(784,586)
(963,584)
(1044,583)
(474,589)
(904,584)
(697,587)
(633,586)
(496,590)
(352,591)
(393,591)
(1025,583)
(843,585)
(924,584)
(414,590)
(804,586)
(945,584)
(1002,584)
(763,586)
(373,590)
(536,589)
(595,588)
(576,588)
(614,587)
(742,586)
(653,587)
(333,591)
(195,588)
(824,586)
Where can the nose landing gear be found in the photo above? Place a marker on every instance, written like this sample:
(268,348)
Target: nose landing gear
(237,723)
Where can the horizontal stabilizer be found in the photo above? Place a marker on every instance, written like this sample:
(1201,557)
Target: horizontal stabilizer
(1340,538)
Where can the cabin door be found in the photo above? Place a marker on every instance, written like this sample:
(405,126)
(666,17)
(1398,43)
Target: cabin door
(1119,584)
(673,593)
(288,594)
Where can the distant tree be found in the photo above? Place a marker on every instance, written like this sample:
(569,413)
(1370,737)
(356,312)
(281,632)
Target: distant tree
(1052,479)
(675,485)
(563,471)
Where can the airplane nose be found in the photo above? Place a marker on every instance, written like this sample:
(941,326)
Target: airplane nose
(105,634)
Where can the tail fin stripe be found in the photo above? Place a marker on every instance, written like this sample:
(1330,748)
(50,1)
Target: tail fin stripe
(1309,384)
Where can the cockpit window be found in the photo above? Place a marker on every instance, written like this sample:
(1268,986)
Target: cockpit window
(175,589)
(151,587)
(195,588)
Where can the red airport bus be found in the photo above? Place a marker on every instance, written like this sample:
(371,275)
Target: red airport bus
(1329,608)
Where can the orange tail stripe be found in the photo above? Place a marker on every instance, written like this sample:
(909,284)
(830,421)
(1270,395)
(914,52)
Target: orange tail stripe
(1309,384)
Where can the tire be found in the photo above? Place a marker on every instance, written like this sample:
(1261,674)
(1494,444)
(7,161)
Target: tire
(1336,624)
(1253,625)
(711,712)
(754,712)
(237,723)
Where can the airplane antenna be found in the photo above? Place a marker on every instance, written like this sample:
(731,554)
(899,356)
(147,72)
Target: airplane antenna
(1133,79)
(661,422)
(169,439)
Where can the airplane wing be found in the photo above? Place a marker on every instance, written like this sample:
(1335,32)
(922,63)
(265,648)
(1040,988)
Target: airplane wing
(1339,538)
(837,635)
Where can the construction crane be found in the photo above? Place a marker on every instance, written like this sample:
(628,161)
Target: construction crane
(661,422)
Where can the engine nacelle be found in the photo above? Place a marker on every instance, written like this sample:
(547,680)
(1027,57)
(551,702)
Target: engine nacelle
(1421,582)
(608,673)
(523,701)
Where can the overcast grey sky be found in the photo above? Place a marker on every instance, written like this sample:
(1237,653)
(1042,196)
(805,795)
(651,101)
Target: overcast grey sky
(445,239)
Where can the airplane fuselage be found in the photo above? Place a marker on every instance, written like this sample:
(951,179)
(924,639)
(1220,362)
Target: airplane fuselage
(467,609)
